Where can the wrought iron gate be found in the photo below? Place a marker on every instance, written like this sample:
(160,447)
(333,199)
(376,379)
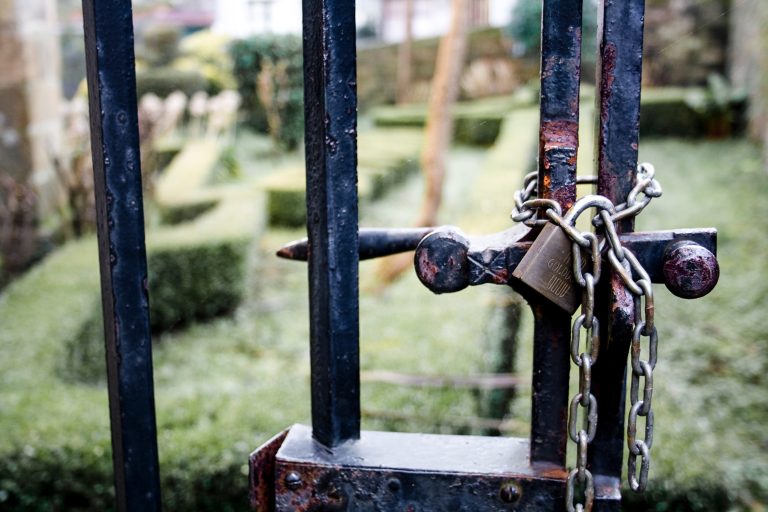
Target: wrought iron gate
(333,465)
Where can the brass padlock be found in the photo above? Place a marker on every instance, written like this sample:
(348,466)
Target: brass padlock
(547,267)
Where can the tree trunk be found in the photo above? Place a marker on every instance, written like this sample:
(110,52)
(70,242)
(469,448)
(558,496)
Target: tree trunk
(445,91)
(404,56)
(439,130)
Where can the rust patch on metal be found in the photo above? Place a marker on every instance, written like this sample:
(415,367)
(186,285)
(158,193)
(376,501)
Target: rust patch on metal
(690,270)
(547,470)
(426,269)
(262,474)
(607,76)
(559,134)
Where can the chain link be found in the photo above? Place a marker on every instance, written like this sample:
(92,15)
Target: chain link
(527,209)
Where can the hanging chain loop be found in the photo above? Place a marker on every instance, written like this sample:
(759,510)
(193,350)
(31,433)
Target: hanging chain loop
(534,211)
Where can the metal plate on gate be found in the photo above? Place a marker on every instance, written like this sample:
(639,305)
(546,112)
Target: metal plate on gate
(387,471)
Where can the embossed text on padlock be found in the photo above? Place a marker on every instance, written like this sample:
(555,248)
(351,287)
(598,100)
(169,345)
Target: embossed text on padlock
(547,268)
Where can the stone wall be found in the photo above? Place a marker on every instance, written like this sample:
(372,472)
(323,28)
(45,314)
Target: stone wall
(30,90)
(685,41)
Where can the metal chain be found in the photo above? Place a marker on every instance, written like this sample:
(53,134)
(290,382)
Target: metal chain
(527,205)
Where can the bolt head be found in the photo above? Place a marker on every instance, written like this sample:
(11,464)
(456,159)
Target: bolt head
(690,270)
(510,492)
(393,484)
(292,480)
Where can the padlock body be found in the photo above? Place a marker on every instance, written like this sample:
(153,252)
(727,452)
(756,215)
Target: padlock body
(547,268)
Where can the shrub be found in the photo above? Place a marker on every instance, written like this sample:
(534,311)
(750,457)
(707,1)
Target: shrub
(196,280)
(476,123)
(478,129)
(19,233)
(165,80)
(83,351)
(678,112)
(257,59)
(286,201)
(179,190)
(385,158)
(208,53)
(161,45)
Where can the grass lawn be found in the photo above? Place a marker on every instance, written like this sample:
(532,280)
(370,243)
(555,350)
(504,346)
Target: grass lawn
(225,386)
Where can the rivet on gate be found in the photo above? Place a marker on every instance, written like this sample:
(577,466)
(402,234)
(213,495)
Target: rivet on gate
(293,480)
(510,492)
(393,484)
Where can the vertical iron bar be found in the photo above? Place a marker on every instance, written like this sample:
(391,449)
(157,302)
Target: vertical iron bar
(558,146)
(120,221)
(330,109)
(619,76)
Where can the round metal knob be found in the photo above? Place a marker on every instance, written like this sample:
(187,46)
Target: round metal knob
(441,261)
(690,270)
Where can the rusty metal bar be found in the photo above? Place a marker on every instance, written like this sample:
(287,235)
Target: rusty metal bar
(120,221)
(330,108)
(619,76)
(374,243)
(558,146)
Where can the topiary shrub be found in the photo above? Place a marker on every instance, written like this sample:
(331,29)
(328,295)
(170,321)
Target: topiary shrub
(165,80)
(196,280)
(160,45)
(474,124)
(208,53)
(478,129)
(83,353)
(274,65)
(286,201)
(386,157)
(689,112)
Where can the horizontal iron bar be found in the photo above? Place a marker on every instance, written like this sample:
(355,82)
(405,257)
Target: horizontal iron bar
(449,261)
(374,243)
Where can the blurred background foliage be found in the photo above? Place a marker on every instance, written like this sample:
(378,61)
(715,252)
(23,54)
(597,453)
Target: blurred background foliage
(221,125)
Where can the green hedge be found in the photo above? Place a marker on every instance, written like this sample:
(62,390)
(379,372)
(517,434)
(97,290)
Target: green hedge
(386,157)
(476,123)
(664,112)
(286,201)
(195,281)
(163,81)
(181,188)
(196,271)
(670,112)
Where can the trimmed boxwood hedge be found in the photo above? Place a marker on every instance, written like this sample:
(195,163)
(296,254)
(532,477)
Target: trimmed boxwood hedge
(668,112)
(165,80)
(664,112)
(386,157)
(195,272)
(180,191)
(476,123)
